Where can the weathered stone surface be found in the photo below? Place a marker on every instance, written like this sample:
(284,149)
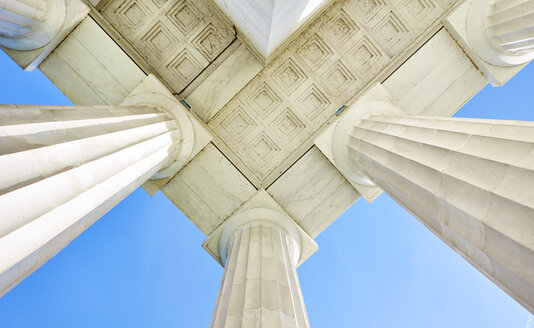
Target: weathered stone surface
(313,192)
(208,189)
(177,39)
(90,69)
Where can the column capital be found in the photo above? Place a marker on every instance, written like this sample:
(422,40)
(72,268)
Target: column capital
(333,141)
(260,210)
(261,217)
(184,139)
(260,247)
(29,33)
(27,27)
(341,138)
(469,23)
(191,139)
(498,31)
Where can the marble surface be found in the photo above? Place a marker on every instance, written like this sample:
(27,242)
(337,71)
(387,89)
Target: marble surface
(468,180)
(208,189)
(437,80)
(313,192)
(224,83)
(273,120)
(262,200)
(84,160)
(75,12)
(267,125)
(90,68)
(177,40)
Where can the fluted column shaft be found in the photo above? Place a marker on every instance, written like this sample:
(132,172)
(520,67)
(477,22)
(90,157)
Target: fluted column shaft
(63,167)
(260,287)
(470,181)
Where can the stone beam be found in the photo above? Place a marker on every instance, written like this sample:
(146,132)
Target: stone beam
(63,167)
(468,180)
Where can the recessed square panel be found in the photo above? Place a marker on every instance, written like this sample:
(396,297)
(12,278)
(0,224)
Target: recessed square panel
(185,16)
(209,42)
(392,33)
(261,148)
(418,8)
(368,8)
(184,67)
(312,102)
(263,99)
(366,57)
(133,14)
(341,28)
(238,124)
(315,52)
(158,40)
(288,125)
(289,76)
(337,78)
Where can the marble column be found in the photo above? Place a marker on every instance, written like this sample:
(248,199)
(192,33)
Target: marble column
(260,287)
(470,181)
(502,31)
(30,24)
(63,167)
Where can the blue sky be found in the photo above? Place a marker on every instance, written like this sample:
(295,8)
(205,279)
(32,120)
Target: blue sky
(141,265)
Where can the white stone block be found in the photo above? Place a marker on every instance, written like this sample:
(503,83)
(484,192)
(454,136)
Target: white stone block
(224,83)
(313,192)
(90,68)
(208,189)
(437,80)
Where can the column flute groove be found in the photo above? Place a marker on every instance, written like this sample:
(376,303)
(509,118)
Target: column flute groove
(259,288)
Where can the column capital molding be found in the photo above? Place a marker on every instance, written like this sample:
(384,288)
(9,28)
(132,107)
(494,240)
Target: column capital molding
(467,25)
(333,141)
(260,209)
(184,142)
(193,135)
(341,137)
(479,39)
(32,27)
(262,217)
